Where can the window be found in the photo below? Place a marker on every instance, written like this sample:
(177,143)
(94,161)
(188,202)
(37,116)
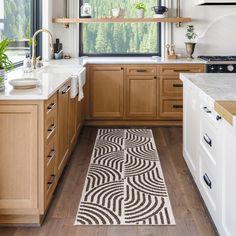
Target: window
(119,38)
(18,19)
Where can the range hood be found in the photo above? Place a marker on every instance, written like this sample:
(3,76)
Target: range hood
(216,2)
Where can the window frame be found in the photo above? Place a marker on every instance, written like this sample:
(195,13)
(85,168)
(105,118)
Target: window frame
(82,54)
(36,24)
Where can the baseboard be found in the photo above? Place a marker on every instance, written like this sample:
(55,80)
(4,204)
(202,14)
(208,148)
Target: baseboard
(133,123)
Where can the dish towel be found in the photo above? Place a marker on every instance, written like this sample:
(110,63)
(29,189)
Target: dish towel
(78,81)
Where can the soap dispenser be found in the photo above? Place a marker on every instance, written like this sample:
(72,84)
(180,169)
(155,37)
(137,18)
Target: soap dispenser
(27,65)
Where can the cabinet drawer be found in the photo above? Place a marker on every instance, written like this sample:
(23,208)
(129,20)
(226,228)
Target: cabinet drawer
(171,86)
(171,108)
(208,185)
(208,139)
(51,151)
(177,69)
(50,180)
(141,70)
(51,105)
(50,125)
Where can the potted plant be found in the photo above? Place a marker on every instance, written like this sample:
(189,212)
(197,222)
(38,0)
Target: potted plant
(5,63)
(190,45)
(141,8)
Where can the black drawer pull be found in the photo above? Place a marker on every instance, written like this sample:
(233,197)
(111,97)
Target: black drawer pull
(50,182)
(207,140)
(206,110)
(66,90)
(218,117)
(51,107)
(178,106)
(52,128)
(207,181)
(177,85)
(52,153)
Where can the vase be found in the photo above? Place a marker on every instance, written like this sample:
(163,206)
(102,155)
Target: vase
(140,13)
(190,47)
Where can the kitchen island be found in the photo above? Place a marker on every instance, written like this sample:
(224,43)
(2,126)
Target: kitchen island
(209,143)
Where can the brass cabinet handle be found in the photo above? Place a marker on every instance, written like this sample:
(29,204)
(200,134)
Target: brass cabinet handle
(176,70)
(66,90)
(177,106)
(51,180)
(51,107)
(52,154)
(142,71)
(178,85)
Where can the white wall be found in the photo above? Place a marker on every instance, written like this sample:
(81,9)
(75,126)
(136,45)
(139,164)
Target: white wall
(216,28)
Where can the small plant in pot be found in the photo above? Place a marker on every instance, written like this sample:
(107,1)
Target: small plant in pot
(141,8)
(190,45)
(5,63)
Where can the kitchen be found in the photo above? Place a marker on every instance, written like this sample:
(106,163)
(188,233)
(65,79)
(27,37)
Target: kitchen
(123,132)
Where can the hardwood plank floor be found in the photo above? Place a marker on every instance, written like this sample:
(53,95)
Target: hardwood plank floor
(190,214)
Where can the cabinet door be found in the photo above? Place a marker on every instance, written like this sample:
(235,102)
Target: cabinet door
(141,97)
(72,120)
(63,117)
(19,159)
(106,92)
(80,115)
(191,130)
(228,178)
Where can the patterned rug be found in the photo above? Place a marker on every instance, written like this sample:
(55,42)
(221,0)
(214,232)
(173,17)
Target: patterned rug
(125,183)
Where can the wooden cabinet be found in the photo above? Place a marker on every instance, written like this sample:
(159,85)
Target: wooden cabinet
(37,138)
(51,148)
(63,119)
(191,126)
(145,93)
(106,92)
(141,96)
(73,110)
(171,88)
(18,160)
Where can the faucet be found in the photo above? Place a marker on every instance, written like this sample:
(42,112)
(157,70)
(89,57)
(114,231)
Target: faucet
(34,59)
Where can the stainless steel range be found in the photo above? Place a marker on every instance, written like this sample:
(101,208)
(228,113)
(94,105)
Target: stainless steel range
(220,64)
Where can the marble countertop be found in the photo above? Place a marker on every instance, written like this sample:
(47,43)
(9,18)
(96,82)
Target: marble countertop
(217,87)
(51,78)
(138,60)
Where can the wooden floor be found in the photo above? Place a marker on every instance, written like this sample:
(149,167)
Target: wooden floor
(190,215)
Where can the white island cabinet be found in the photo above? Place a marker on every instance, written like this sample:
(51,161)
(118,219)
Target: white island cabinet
(210,152)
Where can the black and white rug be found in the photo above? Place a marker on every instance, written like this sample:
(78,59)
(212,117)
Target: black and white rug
(125,183)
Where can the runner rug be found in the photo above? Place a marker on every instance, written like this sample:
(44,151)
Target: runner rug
(125,183)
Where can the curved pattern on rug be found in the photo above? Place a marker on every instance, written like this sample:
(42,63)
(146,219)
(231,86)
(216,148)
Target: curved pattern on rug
(125,183)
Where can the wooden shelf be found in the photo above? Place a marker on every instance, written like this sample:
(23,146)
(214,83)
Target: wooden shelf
(119,20)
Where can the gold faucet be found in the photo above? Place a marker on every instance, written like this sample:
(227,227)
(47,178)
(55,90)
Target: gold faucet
(34,59)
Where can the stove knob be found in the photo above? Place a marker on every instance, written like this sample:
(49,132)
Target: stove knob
(212,68)
(230,68)
(220,68)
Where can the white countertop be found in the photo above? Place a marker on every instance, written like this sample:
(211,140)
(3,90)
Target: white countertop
(138,60)
(216,87)
(51,78)
(219,87)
